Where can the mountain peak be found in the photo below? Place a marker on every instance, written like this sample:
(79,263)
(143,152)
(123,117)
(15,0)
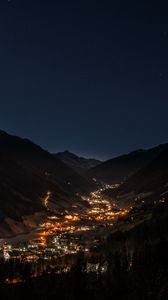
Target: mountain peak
(79,164)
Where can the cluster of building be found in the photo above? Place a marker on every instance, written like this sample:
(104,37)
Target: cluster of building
(67,234)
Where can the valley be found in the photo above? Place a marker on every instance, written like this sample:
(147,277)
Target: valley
(65,223)
(65,234)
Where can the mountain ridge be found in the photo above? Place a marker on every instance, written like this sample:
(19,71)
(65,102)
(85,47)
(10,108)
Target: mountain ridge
(147,184)
(120,168)
(78,163)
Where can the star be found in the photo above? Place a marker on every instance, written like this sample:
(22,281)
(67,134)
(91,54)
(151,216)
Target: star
(161,76)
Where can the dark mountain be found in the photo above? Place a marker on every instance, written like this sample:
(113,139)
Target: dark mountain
(149,183)
(27,173)
(118,169)
(79,164)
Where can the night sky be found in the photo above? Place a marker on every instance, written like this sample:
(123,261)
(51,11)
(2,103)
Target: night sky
(88,76)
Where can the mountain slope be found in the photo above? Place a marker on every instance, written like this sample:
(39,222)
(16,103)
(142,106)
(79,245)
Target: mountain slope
(79,164)
(31,155)
(118,169)
(153,177)
(149,183)
(28,173)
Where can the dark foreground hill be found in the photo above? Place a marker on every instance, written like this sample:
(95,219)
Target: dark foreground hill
(27,174)
(120,168)
(79,164)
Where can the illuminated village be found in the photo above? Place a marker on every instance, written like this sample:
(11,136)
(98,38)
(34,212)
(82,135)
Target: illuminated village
(57,241)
